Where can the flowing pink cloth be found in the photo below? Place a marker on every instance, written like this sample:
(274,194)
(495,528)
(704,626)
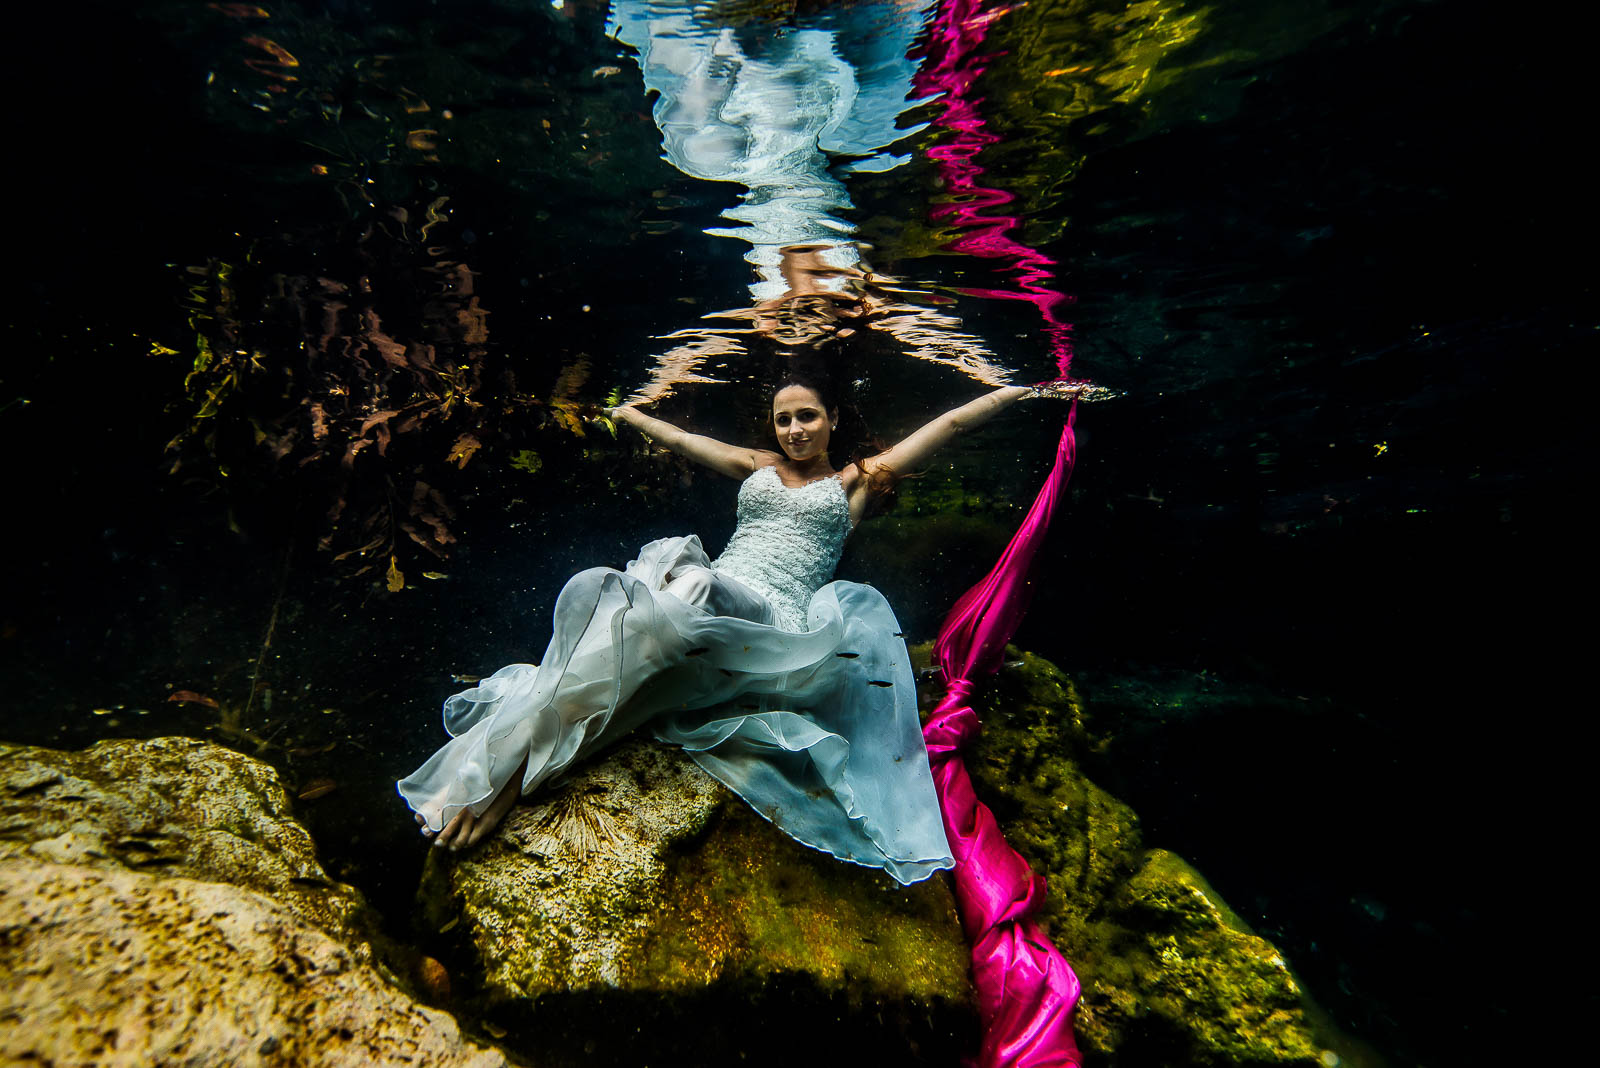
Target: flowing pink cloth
(1026,989)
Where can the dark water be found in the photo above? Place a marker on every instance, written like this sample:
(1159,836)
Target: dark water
(1325,251)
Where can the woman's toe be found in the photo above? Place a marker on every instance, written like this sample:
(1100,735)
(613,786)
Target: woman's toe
(463,835)
(451,830)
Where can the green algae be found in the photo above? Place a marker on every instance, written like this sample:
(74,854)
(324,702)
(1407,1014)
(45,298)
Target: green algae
(702,908)
(1170,974)
(695,908)
(746,904)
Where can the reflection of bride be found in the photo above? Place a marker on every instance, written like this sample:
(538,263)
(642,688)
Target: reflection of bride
(779,97)
(776,100)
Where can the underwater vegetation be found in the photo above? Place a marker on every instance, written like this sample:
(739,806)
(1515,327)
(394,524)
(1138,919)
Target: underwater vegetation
(357,390)
(340,352)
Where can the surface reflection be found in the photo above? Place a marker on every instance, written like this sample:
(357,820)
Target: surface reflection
(770,98)
(781,100)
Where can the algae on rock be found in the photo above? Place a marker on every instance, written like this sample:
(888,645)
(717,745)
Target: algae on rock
(160,905)
(109,966)
(1170,974)
(179,807)
(640,893)
(692,903)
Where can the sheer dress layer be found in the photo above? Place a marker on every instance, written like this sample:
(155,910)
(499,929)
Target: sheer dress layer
(794,691)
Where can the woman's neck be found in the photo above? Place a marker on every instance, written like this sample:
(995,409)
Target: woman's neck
(805,471)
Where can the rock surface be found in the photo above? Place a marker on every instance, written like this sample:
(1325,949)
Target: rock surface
(640,894)
(1170,974)
(173,806)
(118,967)
(641,889)
(160,905)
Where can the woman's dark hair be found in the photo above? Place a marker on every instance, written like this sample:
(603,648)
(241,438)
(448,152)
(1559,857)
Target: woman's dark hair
(814,379)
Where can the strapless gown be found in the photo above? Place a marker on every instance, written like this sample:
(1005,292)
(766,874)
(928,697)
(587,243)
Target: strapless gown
(793,690)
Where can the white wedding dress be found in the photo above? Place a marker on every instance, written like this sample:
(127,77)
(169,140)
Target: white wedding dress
(793,690)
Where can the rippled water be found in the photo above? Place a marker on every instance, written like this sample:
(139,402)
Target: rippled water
(1319,248)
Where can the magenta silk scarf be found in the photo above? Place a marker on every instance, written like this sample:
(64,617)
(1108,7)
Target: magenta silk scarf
(1026,990)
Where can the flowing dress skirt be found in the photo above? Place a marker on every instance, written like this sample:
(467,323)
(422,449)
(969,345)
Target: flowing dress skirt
(817,730)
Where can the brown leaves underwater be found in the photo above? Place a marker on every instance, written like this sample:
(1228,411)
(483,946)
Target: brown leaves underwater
(369,387)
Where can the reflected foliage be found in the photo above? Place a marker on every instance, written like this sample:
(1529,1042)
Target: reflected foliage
(1061,79)
(383,105)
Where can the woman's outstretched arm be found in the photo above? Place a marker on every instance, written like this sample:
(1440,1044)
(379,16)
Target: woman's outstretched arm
(921,444)
(727,459)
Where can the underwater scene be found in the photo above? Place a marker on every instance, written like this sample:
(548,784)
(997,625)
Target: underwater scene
(336,344)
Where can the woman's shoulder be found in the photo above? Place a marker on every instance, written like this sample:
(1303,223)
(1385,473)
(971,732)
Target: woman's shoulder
(869,470)
(763,458)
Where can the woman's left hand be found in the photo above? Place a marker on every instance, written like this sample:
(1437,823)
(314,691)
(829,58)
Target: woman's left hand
(1065,389)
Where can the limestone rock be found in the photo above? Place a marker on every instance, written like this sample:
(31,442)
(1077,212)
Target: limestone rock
(177,807)
(1170,974)
(108,966)
(640,888)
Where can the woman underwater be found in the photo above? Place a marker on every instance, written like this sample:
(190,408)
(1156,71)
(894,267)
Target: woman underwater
(793,690)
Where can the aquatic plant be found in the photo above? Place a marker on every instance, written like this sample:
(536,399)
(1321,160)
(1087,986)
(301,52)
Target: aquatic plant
(363,388)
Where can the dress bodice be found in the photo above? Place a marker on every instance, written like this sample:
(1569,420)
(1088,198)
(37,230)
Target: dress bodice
(788,541)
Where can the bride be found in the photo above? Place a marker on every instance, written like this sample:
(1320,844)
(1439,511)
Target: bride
(793,690)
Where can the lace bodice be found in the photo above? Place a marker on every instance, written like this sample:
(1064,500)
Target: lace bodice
(787,542)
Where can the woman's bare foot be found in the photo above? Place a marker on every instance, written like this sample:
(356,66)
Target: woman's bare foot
(467,829)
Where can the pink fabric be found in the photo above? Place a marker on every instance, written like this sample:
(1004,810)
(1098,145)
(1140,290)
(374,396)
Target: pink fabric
(1026,989)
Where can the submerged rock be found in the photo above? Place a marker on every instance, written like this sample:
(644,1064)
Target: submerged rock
(160,905)
(1170,974)
(641,894)
(120,967)
(176,807)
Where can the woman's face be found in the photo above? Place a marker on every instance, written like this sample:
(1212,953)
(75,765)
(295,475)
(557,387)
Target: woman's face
(803,425)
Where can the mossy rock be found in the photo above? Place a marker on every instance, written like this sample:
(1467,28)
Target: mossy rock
(641,890)
(1170,974)
(111,966)
(162,905)
(175,807)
